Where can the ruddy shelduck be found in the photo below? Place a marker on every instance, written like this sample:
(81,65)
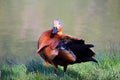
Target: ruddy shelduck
(49,44)
(57,48)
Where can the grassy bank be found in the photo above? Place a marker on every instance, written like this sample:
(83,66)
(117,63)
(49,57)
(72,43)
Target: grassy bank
(108,69)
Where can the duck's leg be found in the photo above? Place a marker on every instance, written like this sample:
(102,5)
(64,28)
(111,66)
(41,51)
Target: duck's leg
(65,68)
(55,66)
(55,69)
(46,63)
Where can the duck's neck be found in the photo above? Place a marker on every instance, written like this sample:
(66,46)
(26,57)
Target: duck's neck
(60,31)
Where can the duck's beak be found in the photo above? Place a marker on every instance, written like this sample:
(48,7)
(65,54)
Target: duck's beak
(54,30)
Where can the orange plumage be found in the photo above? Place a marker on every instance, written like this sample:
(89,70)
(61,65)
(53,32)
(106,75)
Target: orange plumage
(47,46)
(57,48)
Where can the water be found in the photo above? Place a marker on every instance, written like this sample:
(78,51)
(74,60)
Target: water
(22,22)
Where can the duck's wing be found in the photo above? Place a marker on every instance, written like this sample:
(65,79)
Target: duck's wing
(46,40)
(43,40)
(82,51)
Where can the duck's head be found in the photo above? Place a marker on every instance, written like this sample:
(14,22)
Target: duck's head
(57,26)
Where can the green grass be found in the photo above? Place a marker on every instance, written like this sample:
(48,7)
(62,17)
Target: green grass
(108,69)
